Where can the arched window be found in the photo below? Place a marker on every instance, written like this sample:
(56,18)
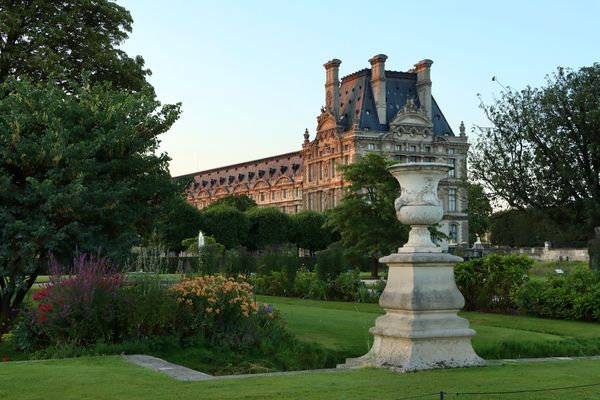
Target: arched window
(453,233)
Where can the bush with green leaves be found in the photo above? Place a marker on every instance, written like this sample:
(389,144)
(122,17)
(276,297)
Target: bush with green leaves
(346,285)
(91,304)
(228,225)
(366,294)
(331,262)
(575,295)
(78,305)
(238,261)
(486,282)
(272,284)
(267,226)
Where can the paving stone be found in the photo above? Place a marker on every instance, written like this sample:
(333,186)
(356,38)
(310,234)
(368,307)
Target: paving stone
(173,370)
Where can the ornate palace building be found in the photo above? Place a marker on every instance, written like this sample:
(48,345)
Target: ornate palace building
(371,110)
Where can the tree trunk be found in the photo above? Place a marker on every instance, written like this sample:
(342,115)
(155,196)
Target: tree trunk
(375,269)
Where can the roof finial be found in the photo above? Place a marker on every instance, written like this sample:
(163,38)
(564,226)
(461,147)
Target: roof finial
(462,129)
(306,135)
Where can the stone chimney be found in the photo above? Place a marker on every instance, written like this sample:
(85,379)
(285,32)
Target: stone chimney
(332,86)
(378,85)
(423,69)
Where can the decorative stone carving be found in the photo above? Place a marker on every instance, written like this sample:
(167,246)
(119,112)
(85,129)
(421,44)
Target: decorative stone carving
(326,120)
(418,204)
(420,329)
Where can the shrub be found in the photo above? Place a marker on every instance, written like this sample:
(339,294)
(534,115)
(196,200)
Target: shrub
(77,307)
(331,262)
(365,294)
(91,303)
(573,296)
(145,309)
(221,309)
(303,282)
(238,261)
(346,285)
(211,256)
(272,284)
(486,282)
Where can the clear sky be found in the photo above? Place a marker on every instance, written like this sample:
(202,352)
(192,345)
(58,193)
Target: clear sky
(250,73)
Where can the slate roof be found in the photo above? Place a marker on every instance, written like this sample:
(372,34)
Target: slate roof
(269,169)
(356,101)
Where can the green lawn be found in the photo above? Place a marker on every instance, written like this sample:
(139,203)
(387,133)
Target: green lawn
(542,269)
(345,327)
(342,327)
(112,378)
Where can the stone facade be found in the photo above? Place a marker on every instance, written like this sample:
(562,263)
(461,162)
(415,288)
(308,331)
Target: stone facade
(372,110)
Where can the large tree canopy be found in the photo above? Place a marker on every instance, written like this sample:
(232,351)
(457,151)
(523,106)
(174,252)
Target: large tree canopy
(543,149)
(45,39)
(77,170)
(78,134)
(479,210)
(308,232)
(365,218)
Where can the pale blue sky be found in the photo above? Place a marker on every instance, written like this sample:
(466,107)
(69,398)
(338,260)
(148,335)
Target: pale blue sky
(250,73)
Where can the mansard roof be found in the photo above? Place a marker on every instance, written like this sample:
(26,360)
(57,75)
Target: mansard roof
(358,105)
(268,169)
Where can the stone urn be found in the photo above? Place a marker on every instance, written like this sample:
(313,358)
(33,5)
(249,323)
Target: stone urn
(421,329)
(418,204)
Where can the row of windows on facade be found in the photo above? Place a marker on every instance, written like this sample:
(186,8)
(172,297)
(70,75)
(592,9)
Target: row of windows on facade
(315,170)
(277,194)
(412,148)
(322,199)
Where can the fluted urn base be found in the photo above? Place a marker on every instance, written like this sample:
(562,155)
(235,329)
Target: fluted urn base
(421,329)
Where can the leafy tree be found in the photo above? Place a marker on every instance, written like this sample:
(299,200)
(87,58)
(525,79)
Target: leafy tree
(543,149)
(366,217)
(178,220)
(533,226)
(479,211)
(77,169)
(268,226)
(78,132)
(228,225)
(241,202)
(308,232)
(61,39)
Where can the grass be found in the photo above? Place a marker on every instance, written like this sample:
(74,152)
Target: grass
(343,327)
(113,378)
(541,269)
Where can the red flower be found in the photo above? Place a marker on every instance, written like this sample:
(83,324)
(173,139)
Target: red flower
(42,317)
(45,307)
(4,359)
(40,294)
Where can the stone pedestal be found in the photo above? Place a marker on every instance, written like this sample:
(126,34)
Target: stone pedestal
(420,329)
